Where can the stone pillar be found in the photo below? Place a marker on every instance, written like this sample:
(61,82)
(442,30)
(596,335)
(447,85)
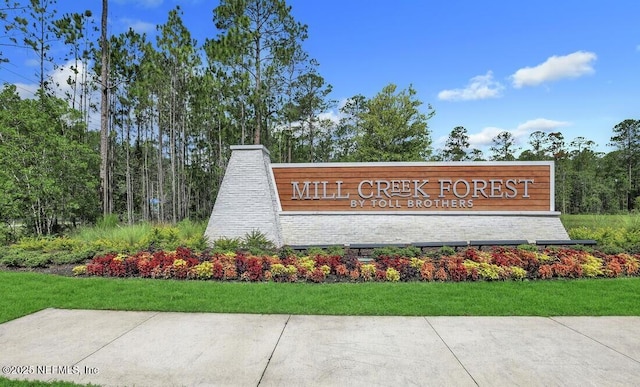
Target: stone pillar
(247,198)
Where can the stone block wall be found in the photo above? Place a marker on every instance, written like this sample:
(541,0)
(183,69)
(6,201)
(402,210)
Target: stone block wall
(301,229)
(247,199)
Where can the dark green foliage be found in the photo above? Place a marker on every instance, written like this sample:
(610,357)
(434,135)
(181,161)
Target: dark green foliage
(48,176)
(393,128)
(227,244)
(407,252)
(257,243)
(446,250)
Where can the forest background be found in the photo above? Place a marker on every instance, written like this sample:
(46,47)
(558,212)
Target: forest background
(170,109)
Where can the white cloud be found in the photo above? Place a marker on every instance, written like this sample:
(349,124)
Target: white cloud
(57,81)
(484,137)
(60,77)
(60,87)
(541,124)
(554,68)
(137,25)
(330,115)
(479,87)
(26,91)
(520,134)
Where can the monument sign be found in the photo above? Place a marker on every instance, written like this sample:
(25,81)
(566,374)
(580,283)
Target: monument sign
(348,203)
(420,187)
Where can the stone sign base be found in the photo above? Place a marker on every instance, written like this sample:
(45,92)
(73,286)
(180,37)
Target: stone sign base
(248,201)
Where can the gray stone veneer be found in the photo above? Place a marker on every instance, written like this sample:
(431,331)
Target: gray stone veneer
(302,229)
(248,201)
(247,198)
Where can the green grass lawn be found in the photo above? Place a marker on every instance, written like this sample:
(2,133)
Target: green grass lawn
(24,293)
(5,382)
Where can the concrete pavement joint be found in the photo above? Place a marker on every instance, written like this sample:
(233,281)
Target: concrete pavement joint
(116,338)
(452,353)
(592,339)
(274,350)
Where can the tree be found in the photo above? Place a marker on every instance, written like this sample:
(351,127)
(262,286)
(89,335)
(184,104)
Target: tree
(12,24)
(179,61)
(37,29)
(393,129)
(457,145)
(504,147)
(104,114)
(311,100)
(258,41)
(539,142)
(47,174)
(349,128)
(626,138)
(583,165)
(558,150)
(73,28)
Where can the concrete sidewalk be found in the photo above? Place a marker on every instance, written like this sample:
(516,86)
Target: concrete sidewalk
(197,349)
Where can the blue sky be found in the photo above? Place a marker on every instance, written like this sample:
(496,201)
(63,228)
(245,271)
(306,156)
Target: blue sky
(490,66)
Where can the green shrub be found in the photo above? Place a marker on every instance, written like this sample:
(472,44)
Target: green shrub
(35,259)
(387,251)
(257,243)
(7,234)
(336,250)
(392,251)
(230,245)
(285,252)
(196,242)
(446,251)
(80,256)
(313,251)
(528,247)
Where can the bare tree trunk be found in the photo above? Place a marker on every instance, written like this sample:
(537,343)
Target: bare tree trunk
(129,180)
(104,115)
(172,150)
(184,196)
(160,171)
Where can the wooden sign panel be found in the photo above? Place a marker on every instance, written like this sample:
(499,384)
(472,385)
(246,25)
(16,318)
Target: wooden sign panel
(415,187)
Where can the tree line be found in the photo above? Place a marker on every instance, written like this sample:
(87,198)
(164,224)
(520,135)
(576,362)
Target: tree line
(173,106)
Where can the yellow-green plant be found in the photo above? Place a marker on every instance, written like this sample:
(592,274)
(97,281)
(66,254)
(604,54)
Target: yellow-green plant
(591,266)
(392,275)
(368,271)
(416,263)
(517,273)
(307,263)
(203,270)
(79,270)
(179,263)
(544,258)
(485,270)
(291,270)
(279,271)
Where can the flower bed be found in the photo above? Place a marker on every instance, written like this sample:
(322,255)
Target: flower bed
(499,263)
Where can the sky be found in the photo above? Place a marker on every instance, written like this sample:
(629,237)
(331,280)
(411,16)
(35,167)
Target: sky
(489,66)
